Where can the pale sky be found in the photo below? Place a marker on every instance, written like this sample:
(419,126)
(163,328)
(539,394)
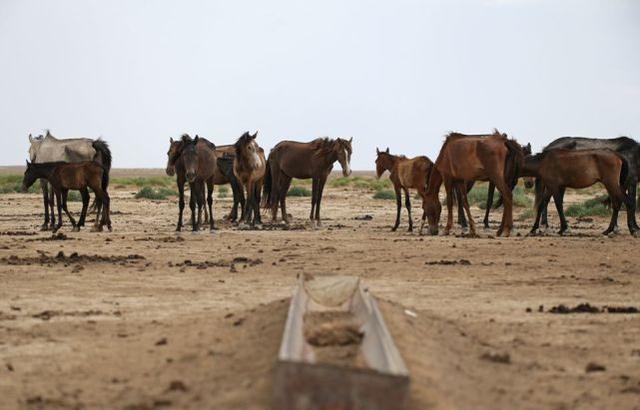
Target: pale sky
(397,73)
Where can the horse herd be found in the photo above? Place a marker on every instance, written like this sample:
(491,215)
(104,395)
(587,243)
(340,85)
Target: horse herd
(260,181)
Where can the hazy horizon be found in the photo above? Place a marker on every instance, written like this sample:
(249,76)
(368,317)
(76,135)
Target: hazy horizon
(399,74)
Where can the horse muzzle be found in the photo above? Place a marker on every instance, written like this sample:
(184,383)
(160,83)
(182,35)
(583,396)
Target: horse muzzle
(24,189)
(191,177)
(170,171)
(346,172)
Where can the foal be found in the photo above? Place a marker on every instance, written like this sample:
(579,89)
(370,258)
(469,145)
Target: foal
(79,176)
(249,166)
(559,169)
(405,173)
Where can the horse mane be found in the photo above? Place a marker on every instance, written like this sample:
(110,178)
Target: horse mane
(185,138)
(323,146)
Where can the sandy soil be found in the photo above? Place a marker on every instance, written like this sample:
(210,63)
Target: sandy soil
(165,320)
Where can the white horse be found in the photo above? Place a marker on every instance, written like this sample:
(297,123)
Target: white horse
(47,148)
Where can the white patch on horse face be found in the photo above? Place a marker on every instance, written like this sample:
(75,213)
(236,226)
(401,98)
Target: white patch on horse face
(347,169)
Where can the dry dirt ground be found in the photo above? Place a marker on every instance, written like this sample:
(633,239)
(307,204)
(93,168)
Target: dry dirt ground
(165,320)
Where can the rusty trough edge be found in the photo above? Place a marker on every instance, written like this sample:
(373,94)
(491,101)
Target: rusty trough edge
(302,384)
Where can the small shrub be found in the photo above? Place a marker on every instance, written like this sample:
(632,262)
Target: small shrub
(148,192)
(528,213)
(74,196)
(12,183)
(298,191)
(223,191)
(384,194)
(478,196)
(590,207)
(339,182)
(157,181)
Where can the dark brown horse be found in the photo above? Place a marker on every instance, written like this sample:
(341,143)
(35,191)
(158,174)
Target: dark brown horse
(200,164)
(405,173)
(79,176)
(465,158)
(224,175)
(249,167)
(559,169)
(627,147)
(315,159)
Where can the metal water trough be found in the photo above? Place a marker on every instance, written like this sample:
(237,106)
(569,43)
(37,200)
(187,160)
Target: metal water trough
(301,383)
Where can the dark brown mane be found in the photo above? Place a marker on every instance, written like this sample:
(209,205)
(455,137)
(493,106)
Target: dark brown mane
(242,141)
(324,146)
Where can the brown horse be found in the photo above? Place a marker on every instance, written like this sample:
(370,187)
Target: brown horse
(249,167)
(223,175)
(558,169)
(199,157)
(465,158)
(315,159)
(405,173)
(80,176)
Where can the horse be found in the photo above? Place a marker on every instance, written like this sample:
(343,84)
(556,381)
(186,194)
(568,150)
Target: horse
(627,147)
(405,173)
(303,160)
(249,166)
(558,169)
(223,175)
(47,148)
(465,158)
(512,179)
(200,166)
(64,176)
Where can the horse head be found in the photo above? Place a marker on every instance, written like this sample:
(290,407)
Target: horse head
(29,177)
(175,150)
(34,147)
(383,162)
(247,149)
(190,159)
(343,150)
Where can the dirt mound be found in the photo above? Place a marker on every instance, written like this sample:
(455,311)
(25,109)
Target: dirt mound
(61,258)
(17,233)
(335,337)
(588,308)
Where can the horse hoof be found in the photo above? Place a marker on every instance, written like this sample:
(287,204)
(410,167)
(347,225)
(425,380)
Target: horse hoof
(393,229)
(44,228)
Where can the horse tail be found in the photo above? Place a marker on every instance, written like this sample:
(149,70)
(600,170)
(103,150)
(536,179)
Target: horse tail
(103,157)
(624,173)
(267,187)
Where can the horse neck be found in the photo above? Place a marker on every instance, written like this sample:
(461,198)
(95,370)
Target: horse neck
(390,162)
(44,171)
(434,181)
(531,166)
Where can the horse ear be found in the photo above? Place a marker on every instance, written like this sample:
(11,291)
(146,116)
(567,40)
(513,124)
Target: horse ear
(48,134)
(30,138)
(350,140)
(255,135)
(195,140)
(28,164)
(377,151)
(387,150)
(170,140)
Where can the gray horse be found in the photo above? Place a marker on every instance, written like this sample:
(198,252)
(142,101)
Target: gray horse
(47,148)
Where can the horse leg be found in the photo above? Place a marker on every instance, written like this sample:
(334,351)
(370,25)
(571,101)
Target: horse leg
(396,187)
(85,205)
(423,195)
(461,219)
(449,189)
(257,189)
(321,183)
(617,196)
(210,187)
(52,205)
(490,192)
(65,193)
(45,198)
(407,203)
(250,217)
(284,188)
(507,210)
(558,197)
(180,182)
(541,201)
(59,204)
(192,205)
(103,196)
(462,192)
(314,196)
